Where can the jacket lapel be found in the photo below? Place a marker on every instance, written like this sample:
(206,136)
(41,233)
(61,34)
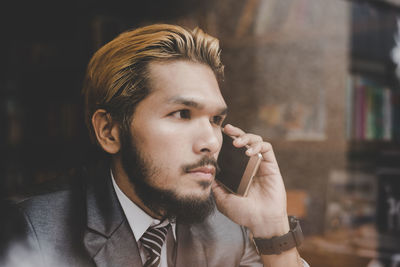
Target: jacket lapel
(108,237)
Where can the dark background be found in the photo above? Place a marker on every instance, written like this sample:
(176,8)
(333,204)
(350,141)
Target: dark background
(45,48)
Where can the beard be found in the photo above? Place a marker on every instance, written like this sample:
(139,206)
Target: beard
(163,202)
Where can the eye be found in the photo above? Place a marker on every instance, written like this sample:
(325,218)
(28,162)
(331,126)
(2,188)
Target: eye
(182,114)
(217,120)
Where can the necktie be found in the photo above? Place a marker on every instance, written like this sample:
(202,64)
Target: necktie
(152,240)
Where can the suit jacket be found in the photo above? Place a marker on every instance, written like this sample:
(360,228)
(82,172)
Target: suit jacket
(84,225)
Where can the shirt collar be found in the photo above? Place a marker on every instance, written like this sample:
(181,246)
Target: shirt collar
(138,220)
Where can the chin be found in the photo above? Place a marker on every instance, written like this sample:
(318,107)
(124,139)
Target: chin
(197,194)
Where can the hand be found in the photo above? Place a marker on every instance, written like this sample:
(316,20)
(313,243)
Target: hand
(263,210)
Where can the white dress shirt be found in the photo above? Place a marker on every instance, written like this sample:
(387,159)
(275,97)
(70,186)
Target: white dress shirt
(140,221)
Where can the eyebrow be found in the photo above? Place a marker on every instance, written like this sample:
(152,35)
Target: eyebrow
(193,104)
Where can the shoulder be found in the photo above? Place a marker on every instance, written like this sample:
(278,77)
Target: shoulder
(222,230)
(40,225)
(53,200)
(48,206)
(226,242)
(61,206)
(46,214)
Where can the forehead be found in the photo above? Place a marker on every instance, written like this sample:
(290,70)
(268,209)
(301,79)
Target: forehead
(184,79)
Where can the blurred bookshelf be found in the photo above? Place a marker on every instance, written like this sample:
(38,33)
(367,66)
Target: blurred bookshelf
(361,211)
(373,111)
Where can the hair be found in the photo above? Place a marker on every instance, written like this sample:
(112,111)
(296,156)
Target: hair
(117,76)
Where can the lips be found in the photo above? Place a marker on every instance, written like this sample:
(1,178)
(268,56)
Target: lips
(205,169)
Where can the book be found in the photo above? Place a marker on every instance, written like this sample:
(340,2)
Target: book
(372,110)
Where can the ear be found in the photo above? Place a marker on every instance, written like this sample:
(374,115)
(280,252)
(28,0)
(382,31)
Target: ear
(107,131)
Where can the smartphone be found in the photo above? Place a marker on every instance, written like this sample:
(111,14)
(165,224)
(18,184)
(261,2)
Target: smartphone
(236,168)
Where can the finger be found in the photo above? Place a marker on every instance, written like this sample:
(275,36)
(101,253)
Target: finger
(221,191)
(254,148)
(264,148)
(254,143)
(221,195)
(231,130)
(226,201)
(267,152)
(241,136)
(247,139)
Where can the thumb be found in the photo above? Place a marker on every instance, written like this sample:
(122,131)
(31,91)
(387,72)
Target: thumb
(226,202)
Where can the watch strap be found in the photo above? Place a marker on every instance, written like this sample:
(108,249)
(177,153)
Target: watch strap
(278,244)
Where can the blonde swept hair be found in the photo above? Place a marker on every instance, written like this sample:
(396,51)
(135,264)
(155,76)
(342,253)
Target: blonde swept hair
(117,75)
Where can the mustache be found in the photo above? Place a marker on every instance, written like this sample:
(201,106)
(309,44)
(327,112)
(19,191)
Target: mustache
(201,163)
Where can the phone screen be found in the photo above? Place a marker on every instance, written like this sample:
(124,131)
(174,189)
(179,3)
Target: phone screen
(237,169)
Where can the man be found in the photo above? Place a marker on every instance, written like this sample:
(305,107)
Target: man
(153,104)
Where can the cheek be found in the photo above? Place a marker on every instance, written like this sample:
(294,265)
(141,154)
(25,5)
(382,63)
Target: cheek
(163,135)
(220,140)
(162,144)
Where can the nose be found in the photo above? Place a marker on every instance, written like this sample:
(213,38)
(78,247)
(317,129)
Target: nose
(208,139)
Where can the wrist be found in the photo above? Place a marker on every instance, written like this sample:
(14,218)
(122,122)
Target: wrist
(270,226)
(278,244)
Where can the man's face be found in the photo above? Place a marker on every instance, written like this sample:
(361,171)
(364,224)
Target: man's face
(176,131)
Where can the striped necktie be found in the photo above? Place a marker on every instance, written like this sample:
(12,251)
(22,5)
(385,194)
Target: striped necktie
(152,240)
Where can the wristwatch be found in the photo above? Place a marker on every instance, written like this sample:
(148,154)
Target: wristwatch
(278,244)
